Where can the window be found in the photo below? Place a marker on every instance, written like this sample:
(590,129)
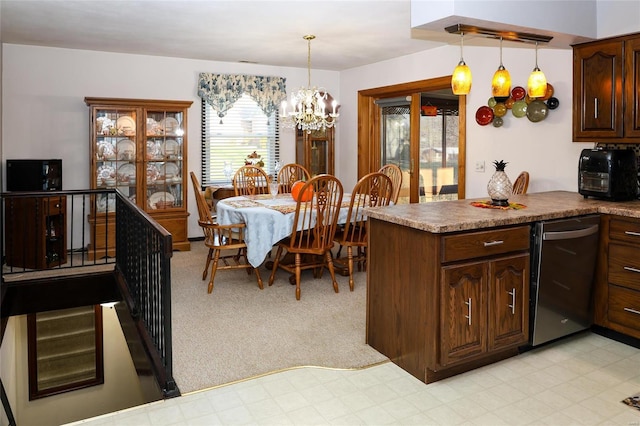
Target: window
(245,128)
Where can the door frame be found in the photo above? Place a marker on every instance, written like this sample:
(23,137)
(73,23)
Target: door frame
(369,155)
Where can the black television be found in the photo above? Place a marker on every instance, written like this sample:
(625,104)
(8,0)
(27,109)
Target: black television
(34,175)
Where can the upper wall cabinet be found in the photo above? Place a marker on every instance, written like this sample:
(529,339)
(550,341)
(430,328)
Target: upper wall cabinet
(606,81)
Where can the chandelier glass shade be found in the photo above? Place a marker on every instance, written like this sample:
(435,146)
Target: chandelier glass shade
(501,82)
(309,111)
(537,83)
(461,77)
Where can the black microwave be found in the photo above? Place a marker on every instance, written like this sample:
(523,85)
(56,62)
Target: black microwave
(34,175)
(608,174)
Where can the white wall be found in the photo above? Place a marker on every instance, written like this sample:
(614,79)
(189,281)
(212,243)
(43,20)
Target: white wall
(45,116)
(544,149)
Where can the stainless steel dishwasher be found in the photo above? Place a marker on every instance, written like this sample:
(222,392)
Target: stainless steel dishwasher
(563,263)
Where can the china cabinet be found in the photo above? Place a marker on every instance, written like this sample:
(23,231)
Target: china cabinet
(315,150)
(138,147)
(606,85)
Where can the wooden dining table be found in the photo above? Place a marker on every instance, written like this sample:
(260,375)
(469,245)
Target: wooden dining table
(268,220)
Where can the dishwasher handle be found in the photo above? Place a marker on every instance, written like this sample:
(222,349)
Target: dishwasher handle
(567,235)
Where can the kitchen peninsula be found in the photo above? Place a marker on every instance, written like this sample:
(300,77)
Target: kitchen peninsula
(448,282)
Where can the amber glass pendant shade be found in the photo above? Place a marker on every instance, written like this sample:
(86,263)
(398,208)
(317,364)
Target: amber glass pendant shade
(537,83)
(461,79)
(501,83)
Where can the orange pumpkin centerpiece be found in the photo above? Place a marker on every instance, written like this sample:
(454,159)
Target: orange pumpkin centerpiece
(297,195)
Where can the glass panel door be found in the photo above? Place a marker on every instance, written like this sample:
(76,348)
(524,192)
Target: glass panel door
(395,143)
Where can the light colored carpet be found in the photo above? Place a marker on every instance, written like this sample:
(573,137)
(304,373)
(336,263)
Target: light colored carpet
(240,331)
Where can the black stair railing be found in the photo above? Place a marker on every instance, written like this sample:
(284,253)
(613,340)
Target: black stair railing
(143,271)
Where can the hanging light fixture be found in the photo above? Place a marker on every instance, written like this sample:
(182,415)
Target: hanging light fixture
(537,83)
(501,83)
(308,109)
(461,77)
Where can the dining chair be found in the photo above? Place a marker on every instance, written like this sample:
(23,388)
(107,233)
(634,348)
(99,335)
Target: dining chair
(221,237)
(314,227)
(521,183)
(290,173)
(250,180)
(372,190)
(395,174)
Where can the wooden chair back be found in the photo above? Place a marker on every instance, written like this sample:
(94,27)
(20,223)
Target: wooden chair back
(521,184)
(250,180)
(315,219)
(372,190)
(290,173)
(221,237)
(204,213)
(395,174)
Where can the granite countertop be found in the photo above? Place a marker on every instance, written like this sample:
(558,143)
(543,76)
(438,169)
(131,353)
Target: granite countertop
(460,215)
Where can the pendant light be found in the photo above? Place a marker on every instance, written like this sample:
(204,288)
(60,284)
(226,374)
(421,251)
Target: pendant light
(501,83)
(537,83)
(461,77)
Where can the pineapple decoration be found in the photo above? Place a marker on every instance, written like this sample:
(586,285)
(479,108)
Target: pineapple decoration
(499,186)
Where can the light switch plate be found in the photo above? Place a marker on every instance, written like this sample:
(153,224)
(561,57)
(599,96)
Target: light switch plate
(480,166)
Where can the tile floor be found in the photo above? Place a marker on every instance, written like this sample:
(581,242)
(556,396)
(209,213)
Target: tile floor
(577,381)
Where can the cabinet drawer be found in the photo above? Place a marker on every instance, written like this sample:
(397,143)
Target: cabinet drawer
(624,307)
(484,243)
(624,265)
(625,230)
(54,205)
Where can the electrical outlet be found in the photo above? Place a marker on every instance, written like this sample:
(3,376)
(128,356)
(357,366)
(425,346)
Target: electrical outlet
(480,166)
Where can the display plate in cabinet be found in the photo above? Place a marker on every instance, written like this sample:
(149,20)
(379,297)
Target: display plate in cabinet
(471,245)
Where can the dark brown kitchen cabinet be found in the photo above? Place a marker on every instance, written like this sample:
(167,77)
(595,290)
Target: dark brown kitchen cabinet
(36,231)
(605,90)
(485,307)
(617,286)
(441,304)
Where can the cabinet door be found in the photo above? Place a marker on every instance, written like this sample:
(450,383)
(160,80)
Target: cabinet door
(164,160)
(632,88)
(315,150)
(509,304)
(597,91)
(463,312)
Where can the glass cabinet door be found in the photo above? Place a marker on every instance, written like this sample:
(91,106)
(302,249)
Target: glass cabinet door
(115,154)
(164,160)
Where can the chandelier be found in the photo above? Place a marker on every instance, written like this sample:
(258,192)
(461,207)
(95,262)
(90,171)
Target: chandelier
(308,105)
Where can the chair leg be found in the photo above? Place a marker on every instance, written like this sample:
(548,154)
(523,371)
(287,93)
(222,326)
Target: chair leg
(216,256)
(259,278)
(350,266)
(206,268)
(332,271)
(275,265)
(298,268)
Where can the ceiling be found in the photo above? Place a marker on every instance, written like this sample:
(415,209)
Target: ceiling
(350,33)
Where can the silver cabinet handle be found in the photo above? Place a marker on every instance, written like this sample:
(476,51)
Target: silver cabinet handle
(595,107)
(631,269)
(493,243)
(513,300)
(468,303)
(633,311)
(635,234)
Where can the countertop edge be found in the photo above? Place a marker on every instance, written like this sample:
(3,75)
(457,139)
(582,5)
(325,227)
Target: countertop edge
(460,215)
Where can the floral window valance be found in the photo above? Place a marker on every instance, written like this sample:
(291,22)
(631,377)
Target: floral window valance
(221,91)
